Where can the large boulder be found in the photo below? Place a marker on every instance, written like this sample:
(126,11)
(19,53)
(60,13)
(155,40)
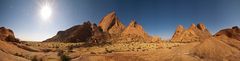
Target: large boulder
(194,33)
(111,24)
(234,33)
(7,35)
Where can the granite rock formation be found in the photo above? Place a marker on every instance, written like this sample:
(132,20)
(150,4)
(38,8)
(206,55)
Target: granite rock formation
(7,35)
(234,33)
(194,33)
(78,33)
(135,29)
(111,24)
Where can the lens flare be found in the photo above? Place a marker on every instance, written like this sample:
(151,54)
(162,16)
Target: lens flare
(46,12)
(46,9)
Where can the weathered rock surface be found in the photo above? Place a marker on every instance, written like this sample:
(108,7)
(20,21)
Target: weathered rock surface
(231,33)
(98,36)
(214,49)
(78,33)
(194,33)
(136,29)
(7,35)
(111,24)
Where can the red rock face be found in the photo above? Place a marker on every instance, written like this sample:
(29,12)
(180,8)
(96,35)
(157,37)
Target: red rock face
(231,33)
(7,35)
(78,33)
(111,24)
(194,33)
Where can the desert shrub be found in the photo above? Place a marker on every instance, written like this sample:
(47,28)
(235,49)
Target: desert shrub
(108,51)
(34,58)
(93,53)
(63,56)
(46,50)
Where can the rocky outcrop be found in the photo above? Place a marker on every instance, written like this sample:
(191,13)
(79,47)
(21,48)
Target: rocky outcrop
(194,33)
(234,33)
(111,24)
(215,49)
(109,29)
(98,36)
(230,41)
(78,33)
(135,29)
(7,35)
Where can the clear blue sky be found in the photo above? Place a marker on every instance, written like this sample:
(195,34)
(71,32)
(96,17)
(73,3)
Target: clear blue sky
(158,17)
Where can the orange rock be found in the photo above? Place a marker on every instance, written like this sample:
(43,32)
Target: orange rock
(78,33)
(135,29)
(231,33)
(214,49)
(7,35)
(192,34)
(111,24)
(201,26)
(4,32)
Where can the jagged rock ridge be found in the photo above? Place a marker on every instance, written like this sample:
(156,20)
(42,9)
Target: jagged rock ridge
(109,28)
(135,29)
(111,24)
(194,33)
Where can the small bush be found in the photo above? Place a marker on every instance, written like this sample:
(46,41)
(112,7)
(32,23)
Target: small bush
(65,58)
(34,58)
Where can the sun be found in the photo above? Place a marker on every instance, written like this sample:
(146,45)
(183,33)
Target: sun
(46,12)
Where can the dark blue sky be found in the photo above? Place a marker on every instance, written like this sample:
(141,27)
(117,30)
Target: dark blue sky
(158,17)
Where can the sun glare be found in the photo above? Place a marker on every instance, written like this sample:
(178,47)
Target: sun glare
(46,12)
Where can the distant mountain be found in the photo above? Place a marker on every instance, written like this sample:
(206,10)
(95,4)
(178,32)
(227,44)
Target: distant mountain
(194,33)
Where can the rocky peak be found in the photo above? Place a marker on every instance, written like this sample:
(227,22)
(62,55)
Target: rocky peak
(111,24)
(180,28)
(194,33)
(201,26)
(133,26)
(235,27)
(133,23)
(192,27)
(135,29)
